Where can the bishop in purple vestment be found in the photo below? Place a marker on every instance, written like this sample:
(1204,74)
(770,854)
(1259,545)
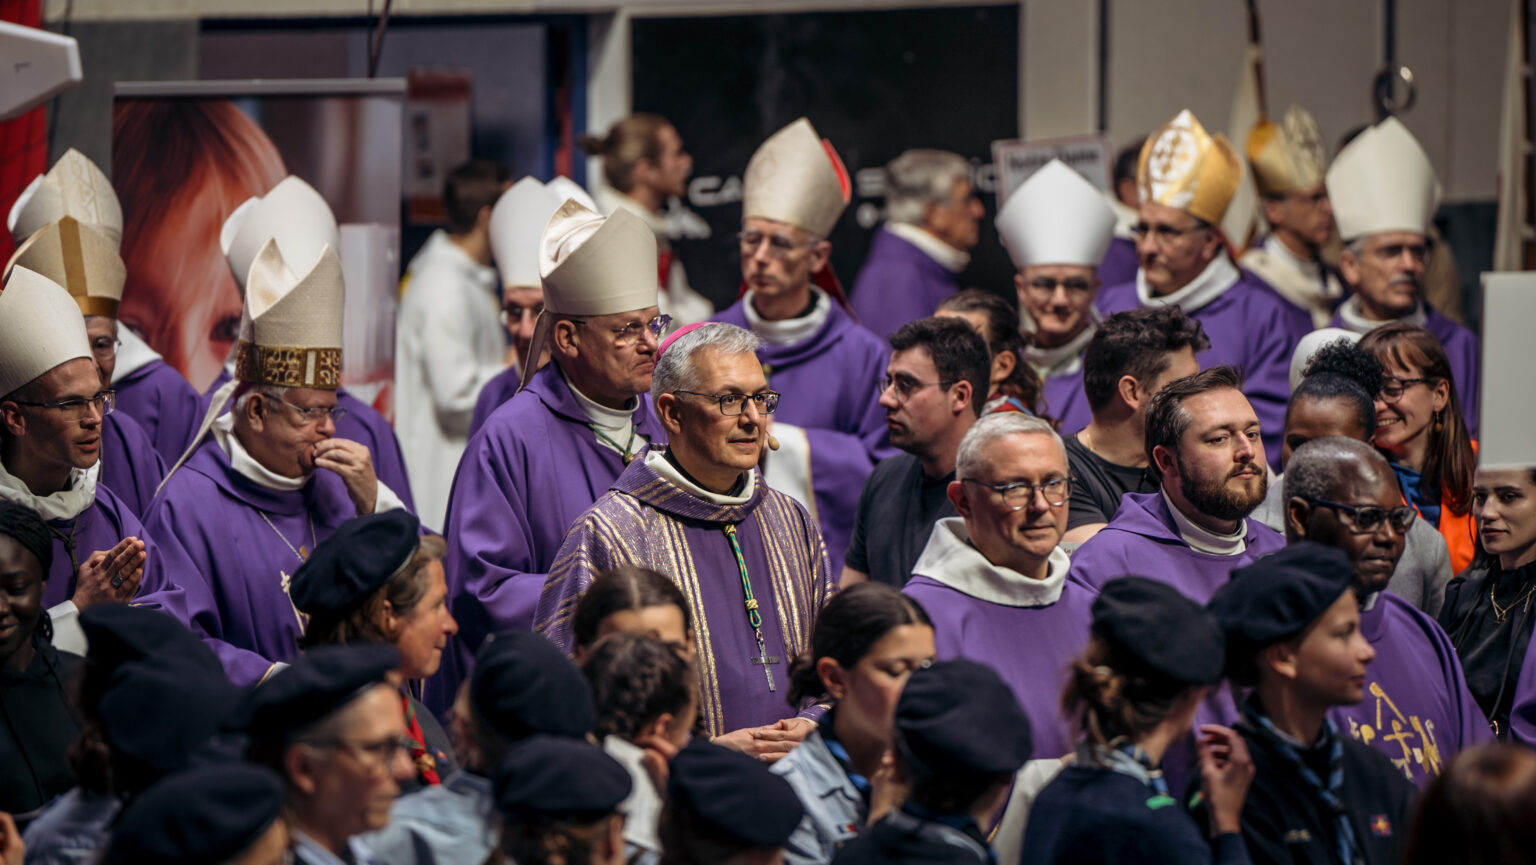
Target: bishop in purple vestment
(130,465)
(153,393)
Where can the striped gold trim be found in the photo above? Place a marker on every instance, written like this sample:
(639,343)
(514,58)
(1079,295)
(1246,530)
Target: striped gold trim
(288,366)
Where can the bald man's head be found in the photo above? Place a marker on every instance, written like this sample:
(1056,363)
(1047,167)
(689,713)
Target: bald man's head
(1341,492)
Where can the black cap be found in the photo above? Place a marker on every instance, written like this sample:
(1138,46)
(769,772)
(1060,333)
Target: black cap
(355,561)
(202,816)
(119,633)
(735,794)
(560,776)
(1279,595)
(318,683)
(1170,633)
(961,713)
(523,684)
(158,712)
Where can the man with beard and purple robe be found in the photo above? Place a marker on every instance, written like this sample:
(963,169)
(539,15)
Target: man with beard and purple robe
(1384,195)
(1417,709)
(932,222)
(994,580)
(52,403)
(748,558)
(833,432)
(1187,178)
(298,218)
(1055,227)
(263,483)
(545,456)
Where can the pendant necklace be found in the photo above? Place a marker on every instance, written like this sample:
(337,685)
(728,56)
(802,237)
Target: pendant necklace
(1500,614)
(301,552)
(627,450)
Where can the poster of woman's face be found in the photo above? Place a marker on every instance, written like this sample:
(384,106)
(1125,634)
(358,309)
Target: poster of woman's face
(182,164)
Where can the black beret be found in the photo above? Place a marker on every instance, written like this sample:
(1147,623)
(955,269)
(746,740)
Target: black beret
(159,712)
(961,713)
(560,776)
(318,683)
(119,633)
(523,684)
(1279,595)
(734,793)
(354,562)
(1170,633)
(202,816)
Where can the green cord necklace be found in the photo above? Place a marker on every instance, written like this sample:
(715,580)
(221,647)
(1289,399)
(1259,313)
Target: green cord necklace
(754,618)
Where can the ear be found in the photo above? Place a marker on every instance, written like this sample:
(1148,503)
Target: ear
(256,412)
(1349,267)
(956,493)
(299,766)
(1213,244)
(833,676)
(1003,364)
(1272,209)
(1166,460)
(15,421)
(392,622)
(1280,659)
(821,253)
(563,336)
(1130,391)
(1441,395)
(960,397)
(1297,512)
(670,409)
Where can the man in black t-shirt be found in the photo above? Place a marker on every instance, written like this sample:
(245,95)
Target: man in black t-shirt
(1133,354)
(933,390)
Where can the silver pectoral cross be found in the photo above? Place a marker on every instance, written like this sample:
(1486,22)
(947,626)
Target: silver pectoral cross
(766,661)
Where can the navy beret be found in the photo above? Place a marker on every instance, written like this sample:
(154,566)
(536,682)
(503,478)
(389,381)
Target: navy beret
(1279,595)
(202,816)
(158,712)
(354,562)
(559,776)
(119,633)
(1156,623)
(318,683)
(961,713)
(523,684)
(734,793)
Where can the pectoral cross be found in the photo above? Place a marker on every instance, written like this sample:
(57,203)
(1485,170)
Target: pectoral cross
(765,660)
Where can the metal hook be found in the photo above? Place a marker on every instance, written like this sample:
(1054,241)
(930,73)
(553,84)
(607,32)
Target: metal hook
(1384,91)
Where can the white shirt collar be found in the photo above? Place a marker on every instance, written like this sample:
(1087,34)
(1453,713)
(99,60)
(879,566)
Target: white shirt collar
(950,559)
(246,465)
(1203,540)
(1218,276)
(790,330)
(657,462)
(66,504)
(951,259)
(1352,316)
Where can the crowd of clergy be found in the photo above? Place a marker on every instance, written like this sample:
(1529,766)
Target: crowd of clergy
(1170,552)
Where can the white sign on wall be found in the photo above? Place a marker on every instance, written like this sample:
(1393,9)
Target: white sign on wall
(1090,155)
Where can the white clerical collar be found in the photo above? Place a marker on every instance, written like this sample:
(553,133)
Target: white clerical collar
(1218,276)
(657,462)
(1064,359)
(951,259)
(246,465)
(1352,316)
(790,330)
(601,415)
(66,504)
(133,355)
(1203,540)
(950,559)
(1308,268)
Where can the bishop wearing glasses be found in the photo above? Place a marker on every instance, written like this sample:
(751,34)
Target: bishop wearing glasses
(833,432)
(994,578)
(263,483)
(748,558)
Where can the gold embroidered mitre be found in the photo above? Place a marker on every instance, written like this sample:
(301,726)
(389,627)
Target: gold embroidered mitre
(79,258)
(40,328)
(74,186)
(796,178)
(291,327)
(293,213)
(1183,167)
(1289,156)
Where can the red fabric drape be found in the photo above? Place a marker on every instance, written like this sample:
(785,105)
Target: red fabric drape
(23,141)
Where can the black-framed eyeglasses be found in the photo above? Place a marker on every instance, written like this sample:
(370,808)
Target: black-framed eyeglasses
(779,245)
(1164,235)
(76,407)
(1365,519)
(314,415)
(906,385)
(629,334)
(379,754)
(733,404)
(1392,388)
(1019,494)
(1075,286)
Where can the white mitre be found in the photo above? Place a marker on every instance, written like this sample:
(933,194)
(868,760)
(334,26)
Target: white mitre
(796,178)
(1383,181)
(294,214)
(74,186)
(517,225)
(79,258)
(40,328)
(1056,217)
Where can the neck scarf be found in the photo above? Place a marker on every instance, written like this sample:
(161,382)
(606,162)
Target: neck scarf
(1328,794)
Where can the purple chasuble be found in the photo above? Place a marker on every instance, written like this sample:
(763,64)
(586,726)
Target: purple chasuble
(524,478)
(362,424)
(647,520)
(829,382)
(899,283)
(164,404)
(1417,709)
(247,561)
(1120,263)
(1251,327)
(493,395)
(1463,350)
(130,465)
(1522,707)
(1066,401)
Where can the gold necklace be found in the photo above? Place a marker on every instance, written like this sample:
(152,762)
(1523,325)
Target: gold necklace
(1500,614)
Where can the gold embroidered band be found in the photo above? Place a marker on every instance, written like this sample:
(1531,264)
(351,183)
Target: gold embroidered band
(286,366)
